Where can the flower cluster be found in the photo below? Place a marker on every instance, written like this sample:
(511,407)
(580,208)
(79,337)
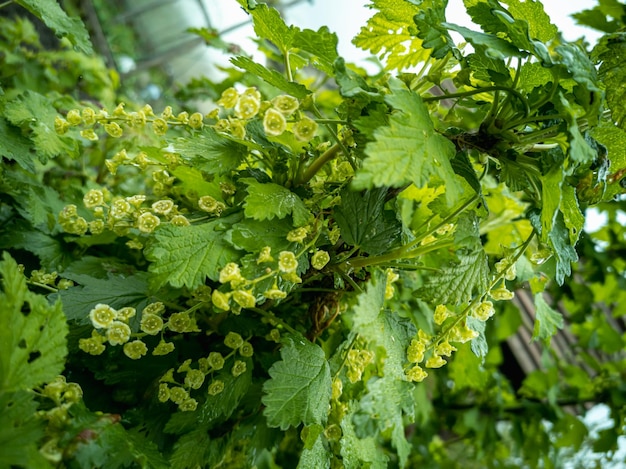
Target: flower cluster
(113,123)
(179,390)
(357,362)
(121,215)
(277,115)
(112,326)
(246,293)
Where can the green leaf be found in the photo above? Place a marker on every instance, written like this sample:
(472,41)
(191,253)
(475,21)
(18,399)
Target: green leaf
(353,85)
(363,221)
(409,150)
(222,406)
(299,389)
(547,320)
(550,199)
(32,333)
(252,235)
(317,456)
(614,139)
(539,25)
(359,452)
(14,146)
(20,431)
(50,251)
(479,345)
(117,291)
(321,44)
(514,24)
(609,53)
(386,330)
(493,46)
(211,152)
(430,23)
(268,201)
(269,25)
(598,16)
(187,255)
(389,402)
(391,33)
(35,111)
(272,77)
(458,280)
(56,19)
(572,216)
(564,252)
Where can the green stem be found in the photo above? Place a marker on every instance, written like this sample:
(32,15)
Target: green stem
(6,4)
(487,89)
(314,167)
(287,66)
(400,253)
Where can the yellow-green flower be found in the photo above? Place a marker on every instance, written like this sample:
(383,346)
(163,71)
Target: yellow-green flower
(483,311)
(164,393)
(244,298)
(274,122)
(102,316)
(233,340)
(118,333)
(320,259)
(239,368)
(287,261)
(113,129)
(61,126)
(441,314)
(416,374)
(220,300)
(151,324)
(216,360)
(247,107)
(74,118)
(229,98)
(216,387)
(196,121)
(163,348)
(188,405)
(178,395)
(305,129)
(89,116)
(159,126)
(194,379)
(285,104)
(230,273)
(163,207)
(135,349)
(415,352)
(147,222)
(179,220)
(265,255)
(435,361)
(93,198)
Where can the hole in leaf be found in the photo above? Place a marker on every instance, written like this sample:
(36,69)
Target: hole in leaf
(25,308)
(33,356)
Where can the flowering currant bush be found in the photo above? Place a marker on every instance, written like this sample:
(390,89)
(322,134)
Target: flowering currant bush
(320,268)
